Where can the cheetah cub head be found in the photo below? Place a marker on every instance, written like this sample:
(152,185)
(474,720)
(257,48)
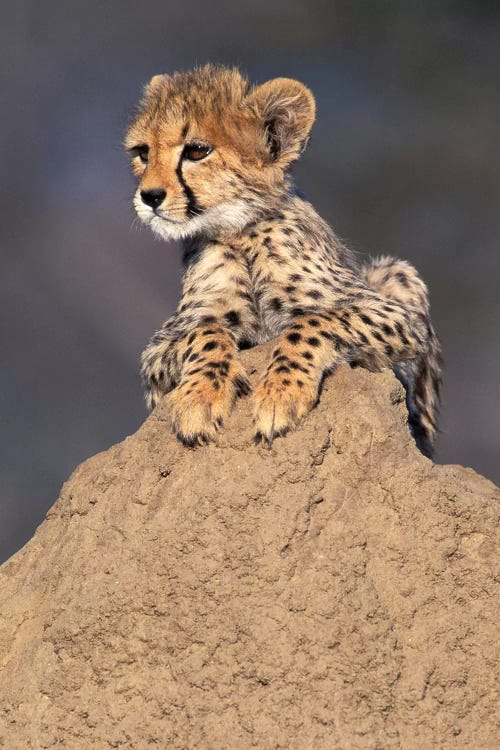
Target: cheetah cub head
(211,151)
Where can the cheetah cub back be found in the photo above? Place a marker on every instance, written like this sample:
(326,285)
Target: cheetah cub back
(212,154)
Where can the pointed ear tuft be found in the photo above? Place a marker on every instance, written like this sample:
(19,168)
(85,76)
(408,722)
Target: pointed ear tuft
(287,110)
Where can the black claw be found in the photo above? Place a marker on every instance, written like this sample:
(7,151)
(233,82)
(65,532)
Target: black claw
(188,442)
(193,441)
(267,441)
(263,440)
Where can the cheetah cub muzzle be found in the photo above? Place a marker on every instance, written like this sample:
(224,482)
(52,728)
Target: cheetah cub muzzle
(212,153)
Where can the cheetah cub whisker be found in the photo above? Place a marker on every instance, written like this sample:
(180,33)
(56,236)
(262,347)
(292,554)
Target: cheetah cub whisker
(211,153)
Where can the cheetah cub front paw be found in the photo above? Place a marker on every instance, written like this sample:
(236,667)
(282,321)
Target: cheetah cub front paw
(281,402)
(200,404)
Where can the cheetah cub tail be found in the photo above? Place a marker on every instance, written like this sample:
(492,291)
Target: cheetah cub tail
(398,280)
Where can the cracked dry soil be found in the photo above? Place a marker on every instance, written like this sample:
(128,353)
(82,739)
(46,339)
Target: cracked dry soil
(336,591)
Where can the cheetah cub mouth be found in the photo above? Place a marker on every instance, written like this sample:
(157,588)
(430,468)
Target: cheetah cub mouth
(227,217)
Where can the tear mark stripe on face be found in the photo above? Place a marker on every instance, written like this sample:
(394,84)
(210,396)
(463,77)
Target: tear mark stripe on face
(192,208)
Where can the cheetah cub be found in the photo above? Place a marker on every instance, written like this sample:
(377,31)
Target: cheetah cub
(211,153)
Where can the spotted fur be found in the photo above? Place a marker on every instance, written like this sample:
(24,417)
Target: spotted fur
(211,153)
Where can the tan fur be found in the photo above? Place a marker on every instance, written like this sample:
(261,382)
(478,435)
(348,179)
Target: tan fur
(260,263)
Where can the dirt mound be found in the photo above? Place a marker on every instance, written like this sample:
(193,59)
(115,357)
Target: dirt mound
(336,591)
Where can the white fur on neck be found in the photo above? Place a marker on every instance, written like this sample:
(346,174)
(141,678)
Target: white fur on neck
(225,218)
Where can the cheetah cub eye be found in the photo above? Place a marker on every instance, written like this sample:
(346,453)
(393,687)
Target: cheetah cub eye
(196,151)
(141,152)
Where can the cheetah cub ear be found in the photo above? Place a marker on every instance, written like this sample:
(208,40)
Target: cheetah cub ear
(156,84)
(287,110)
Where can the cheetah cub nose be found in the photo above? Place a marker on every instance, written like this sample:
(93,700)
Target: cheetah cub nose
(153,197)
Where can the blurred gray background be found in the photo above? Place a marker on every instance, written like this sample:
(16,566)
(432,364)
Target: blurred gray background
(404,159)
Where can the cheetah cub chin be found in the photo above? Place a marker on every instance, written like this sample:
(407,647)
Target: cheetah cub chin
(211,153)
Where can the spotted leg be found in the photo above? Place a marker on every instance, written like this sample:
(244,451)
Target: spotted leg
(374,334)
(211,379)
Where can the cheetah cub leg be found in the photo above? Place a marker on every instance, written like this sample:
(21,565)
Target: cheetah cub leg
(211,380)
(319,343)
(289,388)
(160,371)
